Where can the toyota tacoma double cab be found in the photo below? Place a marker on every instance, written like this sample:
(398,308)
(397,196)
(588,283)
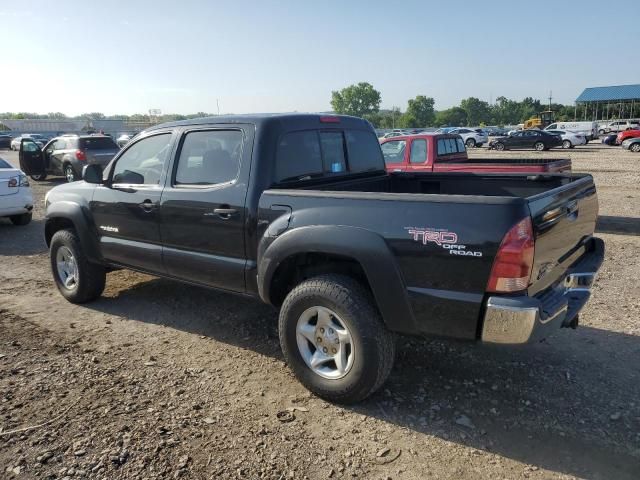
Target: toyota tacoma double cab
(299,211)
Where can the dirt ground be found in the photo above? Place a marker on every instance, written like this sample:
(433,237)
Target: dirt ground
(162,380)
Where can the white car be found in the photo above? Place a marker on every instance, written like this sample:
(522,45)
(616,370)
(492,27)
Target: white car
(569,139)
(16,200)
(125,138)
(36,137)
(471,138)
(618,126)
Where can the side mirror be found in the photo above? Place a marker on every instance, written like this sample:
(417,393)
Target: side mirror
(92,173)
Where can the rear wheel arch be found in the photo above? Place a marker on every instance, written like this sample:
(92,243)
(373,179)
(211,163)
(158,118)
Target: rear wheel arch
(354,252)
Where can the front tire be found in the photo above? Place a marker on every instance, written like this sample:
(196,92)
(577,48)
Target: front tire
(499,146)
(635,147)
(333,338)
(601,132)
(21,220)
(566,144)
(77,279)
(470,143)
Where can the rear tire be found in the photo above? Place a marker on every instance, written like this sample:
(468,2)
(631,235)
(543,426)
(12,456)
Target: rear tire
(21,220)
(539,146)
(349,305)
(77,279)
(635,147)
(601,132)
(39,178)
(69,173)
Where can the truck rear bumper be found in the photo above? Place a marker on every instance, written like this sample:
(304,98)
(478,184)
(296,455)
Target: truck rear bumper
(518,320)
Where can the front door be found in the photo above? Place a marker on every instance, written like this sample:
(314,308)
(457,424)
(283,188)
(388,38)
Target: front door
(126,208)
(203,207)
(30,157)
(394,155)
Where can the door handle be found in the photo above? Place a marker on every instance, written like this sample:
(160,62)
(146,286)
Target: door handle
(148,206)
(225,212)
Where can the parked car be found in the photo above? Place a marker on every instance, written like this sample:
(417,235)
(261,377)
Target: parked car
(632,144)
(610,139)
(68,155)
(536,139)
(470,137)
(123,139)
(439,152)
(569,139)
(622,136)
(618,126)
(587,129)
(36,137)
(5,141)
(16,200)
(299,211)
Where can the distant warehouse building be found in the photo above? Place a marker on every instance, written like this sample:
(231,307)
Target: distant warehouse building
(52,127)
(605,103)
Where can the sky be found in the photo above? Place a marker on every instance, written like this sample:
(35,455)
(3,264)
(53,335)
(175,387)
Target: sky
(192,56)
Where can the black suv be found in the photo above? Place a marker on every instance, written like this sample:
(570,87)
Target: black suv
(68,154)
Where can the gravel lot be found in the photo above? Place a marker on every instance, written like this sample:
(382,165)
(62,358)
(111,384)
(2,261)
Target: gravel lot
(163,380)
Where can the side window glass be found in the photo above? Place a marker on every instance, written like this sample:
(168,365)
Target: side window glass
(298,155)
(442,148)
(461,146)
(143,162)
(209,157)
(418,151)
(451,145)
(393,152)
(60,145)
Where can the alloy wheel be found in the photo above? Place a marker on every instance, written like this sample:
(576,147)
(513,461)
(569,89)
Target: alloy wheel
(325,343)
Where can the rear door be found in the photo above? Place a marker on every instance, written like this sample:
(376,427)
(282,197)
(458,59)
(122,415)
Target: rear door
(203,207)
(126,209)
(563,219)
(30,157)
(418,155)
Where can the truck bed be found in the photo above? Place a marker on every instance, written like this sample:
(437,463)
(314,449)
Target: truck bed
(445,290)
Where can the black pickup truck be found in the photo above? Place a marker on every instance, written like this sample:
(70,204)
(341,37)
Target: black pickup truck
(299,211)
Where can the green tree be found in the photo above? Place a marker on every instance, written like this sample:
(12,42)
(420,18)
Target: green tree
(452,117)
(478,111)
(358,100)
(505,111)
(420,112)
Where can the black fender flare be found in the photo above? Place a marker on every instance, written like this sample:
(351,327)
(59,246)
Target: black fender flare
(363,246)
(82,222)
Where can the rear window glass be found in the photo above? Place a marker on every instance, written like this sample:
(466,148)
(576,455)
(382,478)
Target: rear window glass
(98,143)
(364,151)
(315,153)
(4,164)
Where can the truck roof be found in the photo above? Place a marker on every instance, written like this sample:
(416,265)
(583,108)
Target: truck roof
(287,120)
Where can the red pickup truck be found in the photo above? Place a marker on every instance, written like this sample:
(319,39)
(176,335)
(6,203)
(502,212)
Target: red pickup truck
(441,152)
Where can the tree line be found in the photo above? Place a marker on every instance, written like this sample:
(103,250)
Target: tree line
(363,100)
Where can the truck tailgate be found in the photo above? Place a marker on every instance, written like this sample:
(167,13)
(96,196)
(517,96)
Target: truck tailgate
(563,220)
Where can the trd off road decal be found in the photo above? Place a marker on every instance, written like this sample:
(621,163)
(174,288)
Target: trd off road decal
(442,238)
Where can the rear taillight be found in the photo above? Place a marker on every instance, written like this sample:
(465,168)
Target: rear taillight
(512,266)
(80,155)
